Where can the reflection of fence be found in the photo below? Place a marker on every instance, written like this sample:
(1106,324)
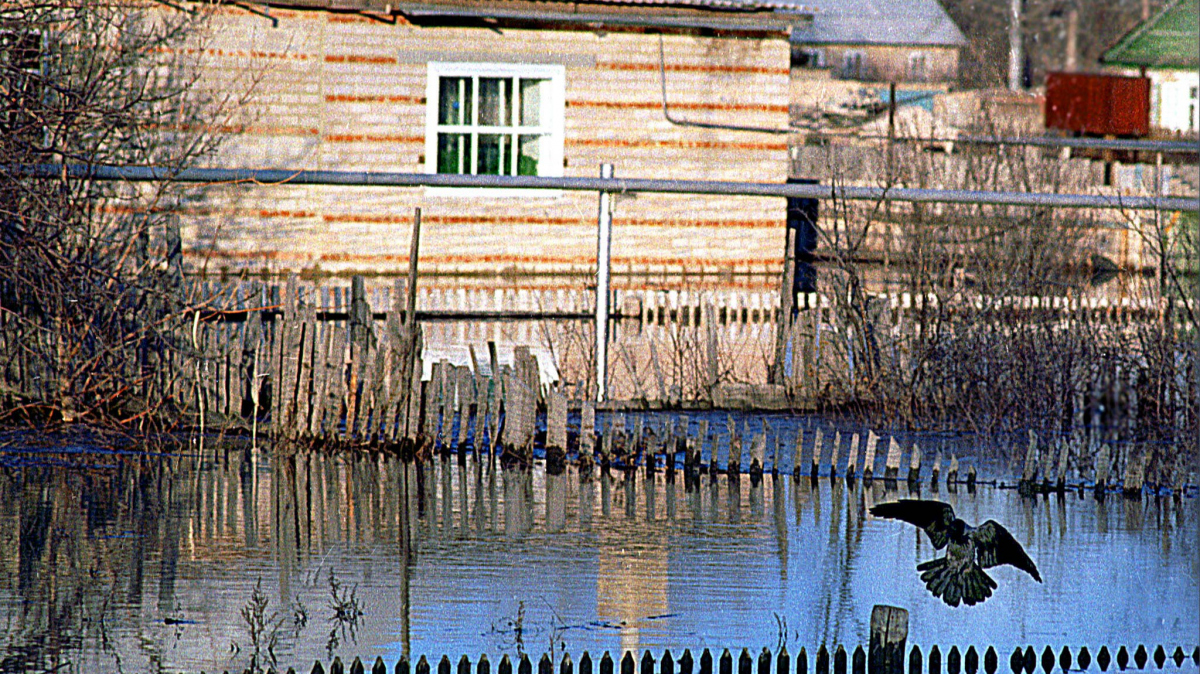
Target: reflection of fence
(822,661)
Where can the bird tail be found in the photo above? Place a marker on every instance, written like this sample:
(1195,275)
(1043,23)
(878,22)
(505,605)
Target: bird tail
(970,585)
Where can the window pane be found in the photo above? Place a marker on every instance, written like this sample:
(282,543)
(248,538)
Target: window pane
(527,159)
(495,153)
(531,102)
(454,100)
(453,151)
(495,101)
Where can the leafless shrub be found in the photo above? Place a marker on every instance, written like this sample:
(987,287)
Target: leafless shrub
(92,301)
(979,346)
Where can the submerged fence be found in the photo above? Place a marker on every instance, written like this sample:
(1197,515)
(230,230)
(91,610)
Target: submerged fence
(823,661)
(316,365)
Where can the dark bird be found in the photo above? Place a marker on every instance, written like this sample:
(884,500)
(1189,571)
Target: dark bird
(959,575)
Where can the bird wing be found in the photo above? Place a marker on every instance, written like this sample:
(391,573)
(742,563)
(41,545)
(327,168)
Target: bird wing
(932,516)
(995,546)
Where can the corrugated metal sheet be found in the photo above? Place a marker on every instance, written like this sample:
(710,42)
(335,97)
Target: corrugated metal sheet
(1099,105)
(1170,39)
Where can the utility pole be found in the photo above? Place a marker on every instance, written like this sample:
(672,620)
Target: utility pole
(1014,46)
(1072,60)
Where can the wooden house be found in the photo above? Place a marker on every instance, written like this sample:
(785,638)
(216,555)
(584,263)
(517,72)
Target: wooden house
(908,42)
(546,88)
(1166,49)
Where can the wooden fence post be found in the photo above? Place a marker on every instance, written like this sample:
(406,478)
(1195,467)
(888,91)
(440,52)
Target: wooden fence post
(889,631)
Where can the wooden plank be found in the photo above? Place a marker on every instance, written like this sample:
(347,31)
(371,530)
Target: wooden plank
(889,633)
(852,460)
(758,447)
(797,454)
(322,344)
(464,404)
(377,402)
(817,451)
(869,456)
(433,403)
(305,373)
(587,435)
(733,466)
(914,465)
(833,453)
(1135,472)
(891,469)
(556,432)
(289,355)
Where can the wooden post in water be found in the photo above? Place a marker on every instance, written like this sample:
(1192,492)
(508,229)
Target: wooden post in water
(833,453)
(1135,473)
(556,432)
(936,471)
(1045,466)
(869,459)
(758,448)
(733,467)
(1102,465)
(700,442)
(852,459)
(952,474)
(891,469)
(1060,482)
(1029,471)
(914,466)
(797,450)
(817,450)
(587,438)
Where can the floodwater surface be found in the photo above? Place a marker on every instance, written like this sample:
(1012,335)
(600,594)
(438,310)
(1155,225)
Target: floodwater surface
(186,562)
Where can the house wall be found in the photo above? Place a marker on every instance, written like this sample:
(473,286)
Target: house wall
(340,91)
(889,63)
(1173,104)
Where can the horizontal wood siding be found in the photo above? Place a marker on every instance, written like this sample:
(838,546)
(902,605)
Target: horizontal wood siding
(334,91)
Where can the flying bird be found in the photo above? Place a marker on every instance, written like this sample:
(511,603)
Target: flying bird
(959,575)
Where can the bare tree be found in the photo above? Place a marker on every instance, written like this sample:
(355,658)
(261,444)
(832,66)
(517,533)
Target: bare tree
(91,288)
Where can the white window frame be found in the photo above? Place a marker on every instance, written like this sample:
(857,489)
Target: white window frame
(552,114)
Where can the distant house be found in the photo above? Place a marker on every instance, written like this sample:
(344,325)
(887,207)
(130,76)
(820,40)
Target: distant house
(504,88)
(903,41)
(1166,48)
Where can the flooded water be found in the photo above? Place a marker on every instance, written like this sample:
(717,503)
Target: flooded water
(122,562)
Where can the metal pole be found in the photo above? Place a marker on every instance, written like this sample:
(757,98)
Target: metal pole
(269,177)
(603,255)
(1014,46)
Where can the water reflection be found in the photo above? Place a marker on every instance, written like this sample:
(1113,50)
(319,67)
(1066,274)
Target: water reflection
(148,561)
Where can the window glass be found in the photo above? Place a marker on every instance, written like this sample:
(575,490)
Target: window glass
(495,154)
(527,160)
(531,102)
(453,152)
(454,100)
(495,101)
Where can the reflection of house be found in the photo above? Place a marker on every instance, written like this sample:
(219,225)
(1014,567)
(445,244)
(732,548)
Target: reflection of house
(904,41)
(1165,48)
(487,87)
(631,586)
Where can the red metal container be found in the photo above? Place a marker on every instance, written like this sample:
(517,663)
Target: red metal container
(1099,105)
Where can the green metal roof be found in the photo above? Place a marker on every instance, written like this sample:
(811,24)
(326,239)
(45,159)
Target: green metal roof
(1171,39)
